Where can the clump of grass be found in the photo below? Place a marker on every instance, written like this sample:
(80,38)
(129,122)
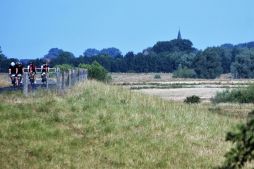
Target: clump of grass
(192,99)
(157,76)
(100,126)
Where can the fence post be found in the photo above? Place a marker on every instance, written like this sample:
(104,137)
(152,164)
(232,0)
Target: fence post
(25,84)
(75,76)
(63,80)
(82,75)
(70,78)
(85,74)
(58,81)
(47,77)
(78,75)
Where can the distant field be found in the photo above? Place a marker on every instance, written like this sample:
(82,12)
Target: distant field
(125,78)
(139,77)
(177,89)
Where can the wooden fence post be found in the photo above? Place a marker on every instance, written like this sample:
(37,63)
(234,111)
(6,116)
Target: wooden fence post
(69,78)
(58,80)
(78,75)
(47,84)
(75,76)
(85,74)
(25,84)
(63,80)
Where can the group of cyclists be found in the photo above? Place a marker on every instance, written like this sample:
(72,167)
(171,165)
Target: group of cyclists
(16,71)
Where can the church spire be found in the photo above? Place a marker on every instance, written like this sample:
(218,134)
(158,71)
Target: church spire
(179,36)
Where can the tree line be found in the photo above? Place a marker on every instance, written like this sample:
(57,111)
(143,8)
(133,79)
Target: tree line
(177,56)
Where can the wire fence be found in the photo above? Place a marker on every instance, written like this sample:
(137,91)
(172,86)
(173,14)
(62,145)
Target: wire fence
(55,80)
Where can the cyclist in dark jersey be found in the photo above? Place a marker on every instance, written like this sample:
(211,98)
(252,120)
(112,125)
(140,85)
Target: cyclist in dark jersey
(12,73)
(20,68)
(45,68)
(19,72)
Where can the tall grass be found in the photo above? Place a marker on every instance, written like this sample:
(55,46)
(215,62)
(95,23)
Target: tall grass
(100,126)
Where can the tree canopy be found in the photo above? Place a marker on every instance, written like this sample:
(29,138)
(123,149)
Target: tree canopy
(178,56)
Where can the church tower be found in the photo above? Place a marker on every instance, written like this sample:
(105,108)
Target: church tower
(179,36)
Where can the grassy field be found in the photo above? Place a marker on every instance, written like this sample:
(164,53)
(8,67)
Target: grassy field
(101,126)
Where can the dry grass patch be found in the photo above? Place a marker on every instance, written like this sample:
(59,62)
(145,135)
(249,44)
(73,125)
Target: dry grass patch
(4,80)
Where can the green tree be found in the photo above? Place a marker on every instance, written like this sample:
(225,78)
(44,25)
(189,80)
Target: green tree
(176,45)
(243,67)
(3,62)
(227,58)
(64,58)
(208,64)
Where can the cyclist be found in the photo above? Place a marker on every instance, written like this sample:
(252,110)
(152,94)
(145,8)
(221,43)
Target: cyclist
(19,72)
(12,73)
(32,72)
(44,72)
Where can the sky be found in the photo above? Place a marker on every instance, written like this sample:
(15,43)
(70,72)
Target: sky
(29,28)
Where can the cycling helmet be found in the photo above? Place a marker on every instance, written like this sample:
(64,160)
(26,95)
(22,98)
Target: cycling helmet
(18,63)
(12,64)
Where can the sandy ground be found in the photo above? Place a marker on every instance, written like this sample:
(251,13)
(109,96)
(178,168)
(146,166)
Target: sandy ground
(180,94)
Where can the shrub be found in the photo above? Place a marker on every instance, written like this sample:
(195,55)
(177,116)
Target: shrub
(157,76)
(64,67)
(96,71)
(243,95)
(192,99)
(243,138)
(184,73)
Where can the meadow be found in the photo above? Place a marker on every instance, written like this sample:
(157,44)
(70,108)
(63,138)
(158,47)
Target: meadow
(95,125)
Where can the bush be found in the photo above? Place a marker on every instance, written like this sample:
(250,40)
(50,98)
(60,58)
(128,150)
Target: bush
(243,139)
(243,95)
(192,99)
(64,67)
(96,71)
(157,76)
(184,73)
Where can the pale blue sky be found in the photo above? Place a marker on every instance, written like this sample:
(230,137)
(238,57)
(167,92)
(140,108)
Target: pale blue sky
(29,28)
